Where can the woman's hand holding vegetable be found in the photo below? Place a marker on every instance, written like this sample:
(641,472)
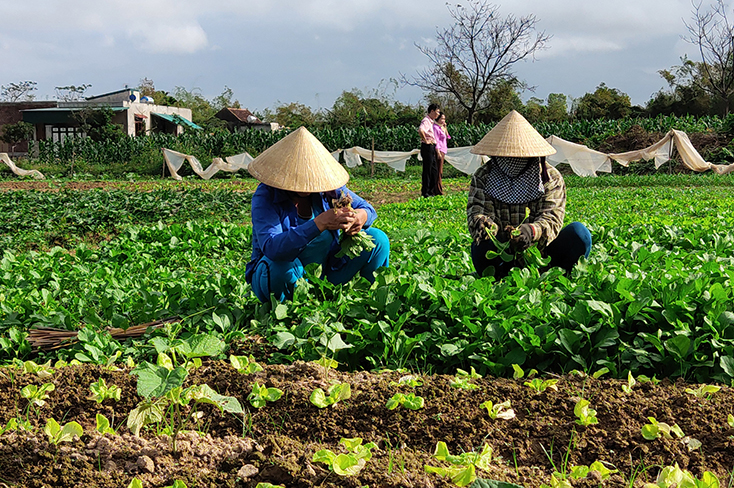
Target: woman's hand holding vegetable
(337,219)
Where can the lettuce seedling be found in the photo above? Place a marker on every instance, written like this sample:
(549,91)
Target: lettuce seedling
(730,420)
(704,391)
(102,392)
(561,480)
(15,424)
(348,464)
(655,429)
(268,485)
(586,415)
(499,411)
(519,373)
(630,383)
(407,380)
(261,395)
(463,379)
(463,469)
(103,425)
(43,371)
(673,476)
(135,483)
(539,384)
(57,434)
(245,364)
(177,484)
(35,395)
(337,393)
(409,401)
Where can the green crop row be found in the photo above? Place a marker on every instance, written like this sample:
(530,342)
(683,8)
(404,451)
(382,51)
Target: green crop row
(145,150)
(656,296)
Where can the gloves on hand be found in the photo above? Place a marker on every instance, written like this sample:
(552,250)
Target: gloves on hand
(524,240)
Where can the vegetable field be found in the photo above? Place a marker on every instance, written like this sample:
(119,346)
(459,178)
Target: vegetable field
(607,377)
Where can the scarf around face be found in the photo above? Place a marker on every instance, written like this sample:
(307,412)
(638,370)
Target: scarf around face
(514,180)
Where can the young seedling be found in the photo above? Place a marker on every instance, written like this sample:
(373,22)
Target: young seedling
(102,392)
(673,476)
(519,373)
(703,391)
(43,371)
(336,393)
(409,401)
(499,411)
(245,364)
(268,485)
(352,245)
(630,383)
(135,483)
(586,415)
(348,464)
(103,425)
(463,469)
(656,429)
(35,395)
(560,480)
(539,384)
(261,395)
(407,380)
(463,379)
(67,433)
(15,424)
(177,484)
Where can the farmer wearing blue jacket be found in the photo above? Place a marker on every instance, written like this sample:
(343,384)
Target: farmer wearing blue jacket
(294,222)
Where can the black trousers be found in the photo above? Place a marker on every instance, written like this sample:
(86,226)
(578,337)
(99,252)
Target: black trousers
(430,170)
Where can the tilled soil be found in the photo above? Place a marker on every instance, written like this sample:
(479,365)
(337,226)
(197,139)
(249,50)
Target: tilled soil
(276,443)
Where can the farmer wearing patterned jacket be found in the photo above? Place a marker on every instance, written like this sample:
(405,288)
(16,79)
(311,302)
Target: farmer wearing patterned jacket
(515,182)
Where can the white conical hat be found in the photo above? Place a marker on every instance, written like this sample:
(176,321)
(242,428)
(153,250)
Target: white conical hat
(300,163)
(513,136)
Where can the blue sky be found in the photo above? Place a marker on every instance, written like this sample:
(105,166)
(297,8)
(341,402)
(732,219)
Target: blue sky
(309,51)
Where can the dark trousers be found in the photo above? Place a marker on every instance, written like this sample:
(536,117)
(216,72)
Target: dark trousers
(572,242)
(430,170)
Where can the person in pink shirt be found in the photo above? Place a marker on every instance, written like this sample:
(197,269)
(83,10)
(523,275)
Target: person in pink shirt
(428,152)
(441,133)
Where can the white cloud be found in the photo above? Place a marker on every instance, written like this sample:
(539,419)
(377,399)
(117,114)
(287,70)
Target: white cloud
(173,39)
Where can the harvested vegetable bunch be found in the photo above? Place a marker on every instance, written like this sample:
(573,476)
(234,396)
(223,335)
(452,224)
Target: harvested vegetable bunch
(351,245)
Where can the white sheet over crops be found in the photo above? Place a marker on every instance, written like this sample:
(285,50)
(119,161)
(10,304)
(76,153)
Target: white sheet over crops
(18,171)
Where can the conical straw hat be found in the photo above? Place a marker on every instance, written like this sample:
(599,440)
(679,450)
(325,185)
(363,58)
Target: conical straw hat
(513,136)
(300,163)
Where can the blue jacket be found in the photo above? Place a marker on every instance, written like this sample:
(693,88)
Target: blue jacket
(279,234)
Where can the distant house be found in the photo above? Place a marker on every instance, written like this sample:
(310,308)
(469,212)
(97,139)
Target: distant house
(11,113)
(135,114)
(241,119)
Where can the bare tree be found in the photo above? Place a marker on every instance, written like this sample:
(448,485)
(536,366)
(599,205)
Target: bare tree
(71,93)
(478,51)
(18,92)
(713,34)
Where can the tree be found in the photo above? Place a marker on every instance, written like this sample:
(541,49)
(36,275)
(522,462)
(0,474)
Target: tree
(712,33)
(71,93)
(685,95)
(14,134)
(476,53)
(97,124)
(146,87)
(225,100)
(605,102)
(294,115)
(18,92)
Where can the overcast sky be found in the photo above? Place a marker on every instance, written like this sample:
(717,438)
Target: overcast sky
(309,51)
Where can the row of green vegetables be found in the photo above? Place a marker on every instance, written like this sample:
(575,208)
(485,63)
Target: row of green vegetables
(654,297)
(401,138)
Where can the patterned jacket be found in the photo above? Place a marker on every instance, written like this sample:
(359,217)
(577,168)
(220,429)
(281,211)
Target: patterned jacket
(546,213)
